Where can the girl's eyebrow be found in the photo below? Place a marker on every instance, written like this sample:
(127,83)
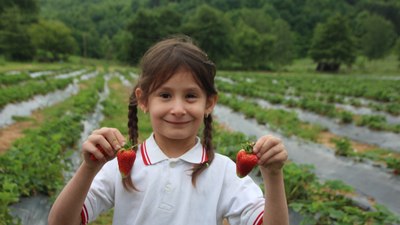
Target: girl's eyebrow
(189,88)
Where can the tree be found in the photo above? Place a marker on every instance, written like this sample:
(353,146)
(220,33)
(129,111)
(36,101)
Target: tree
(283,51)
(144,29)
(15,43)
(333,44)
(171,21)
(121,42)
(247,44)
(29,8)
(209,28)
(397,48)
(376,35)
(52,39)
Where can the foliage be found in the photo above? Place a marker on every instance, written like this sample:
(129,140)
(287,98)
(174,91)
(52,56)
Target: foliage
(376,35)
(283,29)
(13,79)
(22,167)
(397,49)
(212,32)
(162,23)
(14,41)
(343,146)
(247,50)
(333,44)
(14,93)
(52,40)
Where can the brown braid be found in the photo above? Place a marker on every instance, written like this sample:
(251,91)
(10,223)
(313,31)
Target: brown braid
(207,143)
(133,135)
(133,120)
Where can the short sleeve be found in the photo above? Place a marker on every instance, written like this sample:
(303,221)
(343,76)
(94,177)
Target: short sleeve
(242,198)
(100,197)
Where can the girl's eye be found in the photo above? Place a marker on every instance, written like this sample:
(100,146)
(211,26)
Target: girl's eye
(191,96)
(165,95)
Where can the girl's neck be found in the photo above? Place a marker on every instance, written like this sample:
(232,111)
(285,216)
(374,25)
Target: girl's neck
(173,148)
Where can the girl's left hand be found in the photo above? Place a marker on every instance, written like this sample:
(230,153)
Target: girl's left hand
(271,153)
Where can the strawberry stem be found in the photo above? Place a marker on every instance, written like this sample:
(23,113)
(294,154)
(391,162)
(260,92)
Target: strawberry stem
(248,146)
(128,145)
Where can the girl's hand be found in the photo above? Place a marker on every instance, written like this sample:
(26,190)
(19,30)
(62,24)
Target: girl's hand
(271,153)
(101,146)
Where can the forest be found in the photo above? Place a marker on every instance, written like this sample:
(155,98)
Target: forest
(237,34)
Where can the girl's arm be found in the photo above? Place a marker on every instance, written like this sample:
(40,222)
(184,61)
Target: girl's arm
(68,205)
(272,156)
(99,148)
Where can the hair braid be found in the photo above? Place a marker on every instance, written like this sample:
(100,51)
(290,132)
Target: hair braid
(133,136)
(133,120)
(207,143)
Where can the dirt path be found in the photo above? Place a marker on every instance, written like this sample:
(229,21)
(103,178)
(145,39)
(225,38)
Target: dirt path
(14,131)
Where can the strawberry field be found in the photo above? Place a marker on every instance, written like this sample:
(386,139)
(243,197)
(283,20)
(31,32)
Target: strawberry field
(342,134)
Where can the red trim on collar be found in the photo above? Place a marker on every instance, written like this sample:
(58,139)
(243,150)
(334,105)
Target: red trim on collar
(145,156)
(204,157)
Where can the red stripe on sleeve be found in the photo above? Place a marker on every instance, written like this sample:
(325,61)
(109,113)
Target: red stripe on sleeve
(84,215)
(259,219)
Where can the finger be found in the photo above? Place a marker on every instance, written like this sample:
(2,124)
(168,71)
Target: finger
(278,159)
(120,138)
(100,140)
(268,143)
(112,140)
(113,136)
(270,153)
(94,152)
(259,143)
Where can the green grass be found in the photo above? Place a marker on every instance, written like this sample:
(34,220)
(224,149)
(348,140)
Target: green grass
(389,65)
(74,62)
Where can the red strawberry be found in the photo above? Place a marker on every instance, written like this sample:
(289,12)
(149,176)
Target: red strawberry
(126,157)
(246,160)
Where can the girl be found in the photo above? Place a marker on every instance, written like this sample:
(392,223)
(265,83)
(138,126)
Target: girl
(177,177)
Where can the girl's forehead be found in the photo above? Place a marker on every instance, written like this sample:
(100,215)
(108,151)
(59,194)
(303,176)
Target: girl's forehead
(181,78)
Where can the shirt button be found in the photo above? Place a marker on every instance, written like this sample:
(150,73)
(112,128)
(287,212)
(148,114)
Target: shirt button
(172,164)
(168,188)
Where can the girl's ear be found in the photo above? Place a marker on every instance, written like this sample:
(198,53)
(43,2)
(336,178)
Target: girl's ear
(210,104)
(141,104)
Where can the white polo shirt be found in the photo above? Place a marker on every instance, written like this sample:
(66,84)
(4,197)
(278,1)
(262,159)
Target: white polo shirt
(166,195)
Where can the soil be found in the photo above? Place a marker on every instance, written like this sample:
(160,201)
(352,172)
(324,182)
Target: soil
(14,131)
(326,137)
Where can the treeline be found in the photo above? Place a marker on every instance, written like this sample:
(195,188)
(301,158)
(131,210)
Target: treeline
(237,34)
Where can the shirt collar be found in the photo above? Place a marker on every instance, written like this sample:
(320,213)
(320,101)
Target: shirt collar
(152,154)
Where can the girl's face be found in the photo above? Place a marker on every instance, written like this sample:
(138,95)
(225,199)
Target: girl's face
(177,108)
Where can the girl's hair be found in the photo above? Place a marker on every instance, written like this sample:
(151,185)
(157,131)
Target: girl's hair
(158,65)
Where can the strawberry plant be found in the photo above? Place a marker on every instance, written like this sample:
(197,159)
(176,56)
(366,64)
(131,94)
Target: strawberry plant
(49,144)
(343,147)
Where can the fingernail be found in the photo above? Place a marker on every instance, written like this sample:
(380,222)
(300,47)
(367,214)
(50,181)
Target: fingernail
(118,147)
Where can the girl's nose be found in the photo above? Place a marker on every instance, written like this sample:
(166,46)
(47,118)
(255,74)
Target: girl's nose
(178,108)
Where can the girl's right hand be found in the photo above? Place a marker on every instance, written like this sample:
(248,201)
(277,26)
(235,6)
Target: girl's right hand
(101,146)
